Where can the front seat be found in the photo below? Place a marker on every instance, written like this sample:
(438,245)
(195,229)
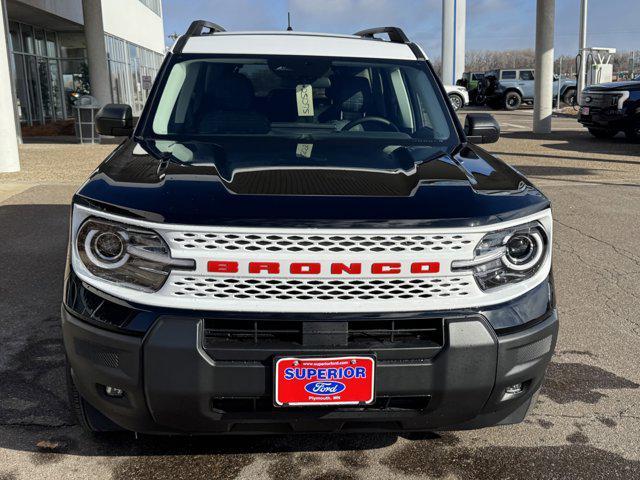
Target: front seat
(232,108)
(351,97)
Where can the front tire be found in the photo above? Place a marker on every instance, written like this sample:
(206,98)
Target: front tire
(569,97)
(603,133)
(456,101)
(90,420)
(633,134)
(512,101)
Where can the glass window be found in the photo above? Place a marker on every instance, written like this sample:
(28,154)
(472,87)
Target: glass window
(153,5)
(15,42)
(40,42)
(526,75)
(51,45)
(45,89)
(295,96)
(33,82)
(508,75)
(21,89)
(27,39)
(56,90)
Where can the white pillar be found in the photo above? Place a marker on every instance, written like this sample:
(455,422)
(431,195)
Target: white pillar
(582,44)
(96,51)
(9,159)
(543,104)
(454,15)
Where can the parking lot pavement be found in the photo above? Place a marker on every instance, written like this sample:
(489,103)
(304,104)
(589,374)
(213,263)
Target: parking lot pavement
(586,424)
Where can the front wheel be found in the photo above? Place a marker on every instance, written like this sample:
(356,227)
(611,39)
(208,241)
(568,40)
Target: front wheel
(633,134)
(569,97)
(603,132)
(90,420)
(512,101)
(456,101)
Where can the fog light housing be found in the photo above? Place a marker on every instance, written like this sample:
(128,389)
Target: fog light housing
(113,392)
(515,390)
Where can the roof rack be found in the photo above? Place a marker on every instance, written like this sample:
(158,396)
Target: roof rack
(396,35)
(197,29)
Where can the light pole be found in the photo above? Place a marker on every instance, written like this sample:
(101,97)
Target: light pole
(582,45)
(543,105)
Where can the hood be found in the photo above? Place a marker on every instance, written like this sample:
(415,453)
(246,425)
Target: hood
(603,87)
(277,182)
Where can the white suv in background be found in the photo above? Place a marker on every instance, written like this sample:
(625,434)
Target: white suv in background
(458,96)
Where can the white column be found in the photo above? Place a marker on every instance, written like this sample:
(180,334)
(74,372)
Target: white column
(96,51)
(454,15)
(9,159)
(582,44)
(543,104)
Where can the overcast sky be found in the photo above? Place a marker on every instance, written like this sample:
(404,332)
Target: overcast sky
(491,24)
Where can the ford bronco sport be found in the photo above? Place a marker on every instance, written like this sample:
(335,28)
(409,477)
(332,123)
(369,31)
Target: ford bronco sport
(298,235)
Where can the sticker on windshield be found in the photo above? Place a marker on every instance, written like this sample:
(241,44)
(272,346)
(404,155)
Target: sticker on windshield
(304,98)
(303,150)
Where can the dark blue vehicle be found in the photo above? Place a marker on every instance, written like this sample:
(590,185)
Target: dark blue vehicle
(610,108)
(298,235)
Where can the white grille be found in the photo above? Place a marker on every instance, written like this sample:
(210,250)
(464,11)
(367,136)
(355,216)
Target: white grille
(319,289)
(268,242)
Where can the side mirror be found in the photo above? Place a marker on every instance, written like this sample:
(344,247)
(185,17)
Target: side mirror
(115,119)
(481,128)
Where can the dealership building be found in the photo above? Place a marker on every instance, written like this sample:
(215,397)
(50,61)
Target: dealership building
(59,50)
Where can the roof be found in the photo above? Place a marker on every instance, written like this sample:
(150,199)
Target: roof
(297,43)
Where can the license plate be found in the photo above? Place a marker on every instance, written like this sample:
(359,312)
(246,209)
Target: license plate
(584,110)
(324,381)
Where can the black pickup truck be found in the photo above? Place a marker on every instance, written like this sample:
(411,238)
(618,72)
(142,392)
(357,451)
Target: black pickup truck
(609,108)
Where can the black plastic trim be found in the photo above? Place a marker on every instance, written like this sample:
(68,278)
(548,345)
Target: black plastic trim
(195,30)
(396,35)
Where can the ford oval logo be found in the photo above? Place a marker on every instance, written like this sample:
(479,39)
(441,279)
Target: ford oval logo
(324,388)
(587,99)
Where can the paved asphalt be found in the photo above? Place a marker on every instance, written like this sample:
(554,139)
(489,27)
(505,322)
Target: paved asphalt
(586,424)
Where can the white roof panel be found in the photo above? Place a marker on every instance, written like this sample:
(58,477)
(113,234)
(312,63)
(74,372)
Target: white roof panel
(297,43)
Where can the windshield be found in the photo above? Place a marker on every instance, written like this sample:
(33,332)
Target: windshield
(304,98)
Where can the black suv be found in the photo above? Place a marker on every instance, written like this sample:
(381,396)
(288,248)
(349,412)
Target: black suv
(609,108)
(299,235)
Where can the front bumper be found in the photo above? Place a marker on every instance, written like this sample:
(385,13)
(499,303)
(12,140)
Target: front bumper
(176,383)
(609,119)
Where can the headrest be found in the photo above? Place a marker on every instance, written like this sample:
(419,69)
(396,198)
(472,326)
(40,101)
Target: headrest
(233,91)
(353,94)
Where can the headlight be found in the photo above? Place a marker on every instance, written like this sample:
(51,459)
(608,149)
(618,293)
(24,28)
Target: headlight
(507,256)
(132,256)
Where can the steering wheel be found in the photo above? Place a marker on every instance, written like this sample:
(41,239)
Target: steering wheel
(354,123)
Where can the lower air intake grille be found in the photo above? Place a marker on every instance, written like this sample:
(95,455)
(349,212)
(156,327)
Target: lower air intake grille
(294,334)
(319,289)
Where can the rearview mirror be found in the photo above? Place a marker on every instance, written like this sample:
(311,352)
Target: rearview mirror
(481,128)
(115,119)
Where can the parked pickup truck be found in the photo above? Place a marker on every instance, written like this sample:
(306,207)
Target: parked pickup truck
(509,88)
(298,235)
(609,108)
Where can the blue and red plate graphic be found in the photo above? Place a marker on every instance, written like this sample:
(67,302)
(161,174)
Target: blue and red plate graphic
(324,381)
